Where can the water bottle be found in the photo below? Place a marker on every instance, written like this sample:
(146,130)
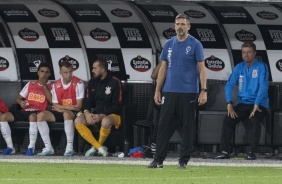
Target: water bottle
(126,148)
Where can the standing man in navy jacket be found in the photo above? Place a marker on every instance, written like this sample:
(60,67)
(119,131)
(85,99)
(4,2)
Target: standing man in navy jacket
(251,76)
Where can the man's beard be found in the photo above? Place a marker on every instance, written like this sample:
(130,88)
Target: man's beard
(180,33)
(97,76)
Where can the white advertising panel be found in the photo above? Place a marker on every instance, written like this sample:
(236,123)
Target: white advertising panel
(238,34)
(48,12)
(275,62)
(99,35)
(28,35)
(265,15)
(8,68)
(120,13)
(74,56)
(217,62)
(138,63)
(196,13)
(165,31)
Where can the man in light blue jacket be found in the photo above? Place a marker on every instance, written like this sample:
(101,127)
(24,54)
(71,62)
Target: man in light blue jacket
(251,76)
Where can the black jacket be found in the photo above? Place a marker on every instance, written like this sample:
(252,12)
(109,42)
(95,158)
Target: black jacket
(104,96)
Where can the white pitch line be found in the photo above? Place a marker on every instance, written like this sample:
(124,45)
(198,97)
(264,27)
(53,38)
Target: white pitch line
(143,162)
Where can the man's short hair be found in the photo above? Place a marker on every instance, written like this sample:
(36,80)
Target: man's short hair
(65,64)
(182,16)
(44,65)
(249,44)
(102,63)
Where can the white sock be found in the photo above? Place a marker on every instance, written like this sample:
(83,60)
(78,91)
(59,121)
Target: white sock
(32,134)
(44,132)
(69,129)
(6,133)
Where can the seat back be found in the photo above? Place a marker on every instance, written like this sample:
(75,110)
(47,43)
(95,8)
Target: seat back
(9,92)
(273,94)
(216,97)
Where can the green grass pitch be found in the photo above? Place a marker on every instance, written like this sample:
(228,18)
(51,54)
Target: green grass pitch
(68,173)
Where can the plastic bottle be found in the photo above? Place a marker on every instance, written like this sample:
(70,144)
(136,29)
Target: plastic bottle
(126,148)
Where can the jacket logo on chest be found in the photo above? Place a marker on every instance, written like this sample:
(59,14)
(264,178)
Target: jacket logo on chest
(108,90)
(254,74)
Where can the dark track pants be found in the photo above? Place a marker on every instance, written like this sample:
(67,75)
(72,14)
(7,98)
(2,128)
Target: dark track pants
(243,111)
(177,108)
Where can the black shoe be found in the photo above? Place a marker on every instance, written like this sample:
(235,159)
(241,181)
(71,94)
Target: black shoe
(182,164)
(155,164)
(222,156)
(251,156)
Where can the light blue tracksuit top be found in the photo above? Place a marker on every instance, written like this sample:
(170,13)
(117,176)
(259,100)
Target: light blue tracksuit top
(252,84)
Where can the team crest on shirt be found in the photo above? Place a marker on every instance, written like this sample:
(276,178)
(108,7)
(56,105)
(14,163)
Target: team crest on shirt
(188,49)
(108,90)
(255,74)
(58,85)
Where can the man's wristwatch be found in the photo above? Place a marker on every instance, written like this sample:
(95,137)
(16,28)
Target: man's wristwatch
(230,102)
(204,89)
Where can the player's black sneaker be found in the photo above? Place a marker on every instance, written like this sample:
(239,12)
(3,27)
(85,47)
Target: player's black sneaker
(182,164)
(222,156)
(251,156)
(155,164)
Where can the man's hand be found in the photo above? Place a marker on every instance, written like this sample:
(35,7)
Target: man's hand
(54,108)
(24,103)
(256,108)
(231,112)
(202,98)
(98,117)
(158,98)
(74,108)
(89,118)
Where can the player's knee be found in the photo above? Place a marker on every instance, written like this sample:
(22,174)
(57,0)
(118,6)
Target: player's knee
(68,115)
(41,116)
(5,117)
(33,117)
(79,120)
(107,122)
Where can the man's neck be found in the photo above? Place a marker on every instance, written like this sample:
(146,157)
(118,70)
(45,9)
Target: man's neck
(65,82)
(182,38)
(103,76)
(250,63)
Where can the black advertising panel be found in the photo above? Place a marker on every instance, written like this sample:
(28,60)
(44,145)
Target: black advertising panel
(16,13)
(209,35)
(4,40)
(30,59)
(261,56)
(86,13)
(61,35)
(132,35)
(114,59)
(232,15)
(159,13)
(272,36)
